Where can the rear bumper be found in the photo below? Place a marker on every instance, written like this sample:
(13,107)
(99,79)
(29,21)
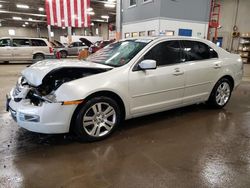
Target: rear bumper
(49,118)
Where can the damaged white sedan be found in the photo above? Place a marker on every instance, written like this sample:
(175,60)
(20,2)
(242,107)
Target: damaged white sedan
(126,79)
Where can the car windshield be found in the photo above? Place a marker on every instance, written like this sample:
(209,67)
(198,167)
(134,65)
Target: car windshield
(119,53)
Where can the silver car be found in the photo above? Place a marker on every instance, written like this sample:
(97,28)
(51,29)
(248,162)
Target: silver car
(72,50)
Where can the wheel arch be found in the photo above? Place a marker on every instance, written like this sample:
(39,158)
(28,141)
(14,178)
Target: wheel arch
(63,51)
(230,78)
(105,93)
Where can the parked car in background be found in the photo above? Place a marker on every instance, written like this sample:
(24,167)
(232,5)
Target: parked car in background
(71,50)
(24,49)
(127,79)
(99,45)
(56,44)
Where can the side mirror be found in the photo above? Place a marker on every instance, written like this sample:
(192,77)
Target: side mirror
(147,64)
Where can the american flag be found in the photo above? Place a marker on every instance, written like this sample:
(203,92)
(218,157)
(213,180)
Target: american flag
(67,13)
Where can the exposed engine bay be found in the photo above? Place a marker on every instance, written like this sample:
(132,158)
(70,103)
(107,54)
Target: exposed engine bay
(51,82)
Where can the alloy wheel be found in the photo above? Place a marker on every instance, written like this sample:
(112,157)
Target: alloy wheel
(99,119)
(223,93)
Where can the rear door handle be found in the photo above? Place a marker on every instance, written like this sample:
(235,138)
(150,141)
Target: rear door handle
(178,72)
(217,66)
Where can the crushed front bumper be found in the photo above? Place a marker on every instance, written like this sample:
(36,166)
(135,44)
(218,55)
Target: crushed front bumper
(49,118)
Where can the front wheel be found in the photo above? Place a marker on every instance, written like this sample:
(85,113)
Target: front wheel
(97,119)
(221,93)
(63,54)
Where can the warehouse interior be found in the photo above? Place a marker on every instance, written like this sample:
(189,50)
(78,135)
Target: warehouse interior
(190,145)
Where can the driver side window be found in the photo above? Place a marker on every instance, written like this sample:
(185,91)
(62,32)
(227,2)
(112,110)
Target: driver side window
(165,53)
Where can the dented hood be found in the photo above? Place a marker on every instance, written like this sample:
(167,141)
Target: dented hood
(36,72)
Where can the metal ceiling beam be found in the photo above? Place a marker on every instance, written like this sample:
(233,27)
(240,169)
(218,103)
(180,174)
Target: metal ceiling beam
(98,1)
(21,13)
(26,20)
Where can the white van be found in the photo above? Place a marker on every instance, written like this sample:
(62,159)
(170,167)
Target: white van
(24,49)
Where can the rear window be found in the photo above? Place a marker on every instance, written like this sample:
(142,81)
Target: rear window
(36,42)
(194,50)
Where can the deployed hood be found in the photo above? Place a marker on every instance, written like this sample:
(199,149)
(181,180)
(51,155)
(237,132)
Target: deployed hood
(35,74)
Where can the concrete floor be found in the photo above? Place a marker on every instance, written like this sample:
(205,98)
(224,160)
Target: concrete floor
(188,147)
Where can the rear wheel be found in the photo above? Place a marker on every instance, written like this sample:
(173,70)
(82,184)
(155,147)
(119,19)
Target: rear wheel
(97,119)
(38,57)
(221,93)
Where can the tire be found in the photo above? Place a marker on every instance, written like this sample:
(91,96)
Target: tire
(97,119)
(63,54)
(38,57)
(221,94)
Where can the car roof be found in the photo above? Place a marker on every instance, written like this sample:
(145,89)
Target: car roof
(13,37)
(159,38)
(165,37)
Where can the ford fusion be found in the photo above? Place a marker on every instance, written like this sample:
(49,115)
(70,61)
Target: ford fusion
(127,79)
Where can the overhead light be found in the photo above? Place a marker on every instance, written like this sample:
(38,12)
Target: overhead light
(22,6)
(27,23)
(105,17)
(1,6)
(91,13)
(108,5)
(24,25)
(99,20)
(16,18)
(30,19)
(41,9)
(89,9)
(92,24)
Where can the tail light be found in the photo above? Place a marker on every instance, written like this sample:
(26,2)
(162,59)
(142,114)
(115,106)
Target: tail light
(51,50)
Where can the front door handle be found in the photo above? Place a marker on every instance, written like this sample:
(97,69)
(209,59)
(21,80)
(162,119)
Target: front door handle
(178,72)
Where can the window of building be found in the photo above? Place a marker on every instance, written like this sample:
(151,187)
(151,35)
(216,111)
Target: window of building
(127,35)
(134,34)
(4,42)
(21,42)
(169,33)
(147,1)
(185,32)
(165,53)
(194,50)
(142,33)
(151,33)
(132,3)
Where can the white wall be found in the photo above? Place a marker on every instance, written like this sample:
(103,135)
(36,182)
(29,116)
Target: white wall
(161,24)
(227,18)
(141,26)
(32,32)
(199,29)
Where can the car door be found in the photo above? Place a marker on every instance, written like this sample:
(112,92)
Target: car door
(39,46)
(5,50)
(21,49)
(159,89)
(73,48)
(202,67)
